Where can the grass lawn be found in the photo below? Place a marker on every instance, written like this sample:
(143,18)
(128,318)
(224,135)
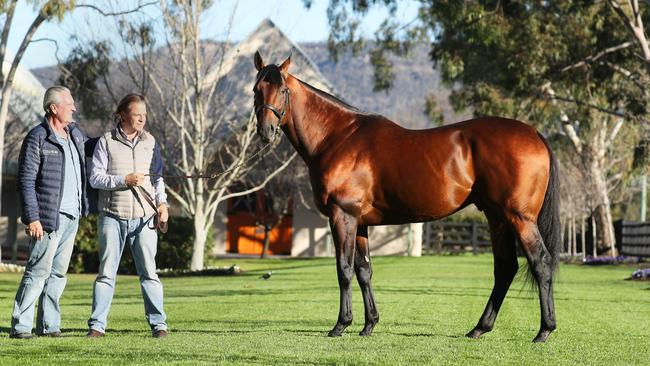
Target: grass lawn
(426,305)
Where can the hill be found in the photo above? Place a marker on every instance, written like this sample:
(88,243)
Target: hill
(352,80)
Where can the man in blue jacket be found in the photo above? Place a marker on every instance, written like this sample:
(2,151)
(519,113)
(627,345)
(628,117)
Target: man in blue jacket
(52,188)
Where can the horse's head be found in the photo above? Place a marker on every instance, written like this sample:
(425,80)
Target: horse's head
(271,97)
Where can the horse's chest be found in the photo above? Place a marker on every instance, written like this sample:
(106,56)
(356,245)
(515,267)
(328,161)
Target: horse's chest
(346,186)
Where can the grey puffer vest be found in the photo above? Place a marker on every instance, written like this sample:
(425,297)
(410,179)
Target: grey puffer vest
(122,160)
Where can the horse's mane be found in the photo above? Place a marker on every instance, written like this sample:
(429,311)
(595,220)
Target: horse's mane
(330,97)
(272,74)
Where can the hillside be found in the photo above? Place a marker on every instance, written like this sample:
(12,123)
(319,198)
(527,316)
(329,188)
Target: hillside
(352,79)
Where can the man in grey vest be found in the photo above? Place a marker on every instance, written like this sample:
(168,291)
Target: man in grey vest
(126,169)
(51,184)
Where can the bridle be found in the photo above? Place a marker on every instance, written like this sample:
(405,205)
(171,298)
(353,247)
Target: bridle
(278,114)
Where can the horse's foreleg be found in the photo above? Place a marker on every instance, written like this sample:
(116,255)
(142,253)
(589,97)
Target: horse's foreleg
(505,268)
(344,228)
(540,262)
(363,269)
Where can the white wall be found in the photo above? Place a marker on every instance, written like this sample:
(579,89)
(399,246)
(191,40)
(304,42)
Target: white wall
(312,237)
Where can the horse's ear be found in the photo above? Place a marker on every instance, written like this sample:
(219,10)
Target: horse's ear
(284,68)
(259,64)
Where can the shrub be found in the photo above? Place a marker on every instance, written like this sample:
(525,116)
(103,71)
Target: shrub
(174,247)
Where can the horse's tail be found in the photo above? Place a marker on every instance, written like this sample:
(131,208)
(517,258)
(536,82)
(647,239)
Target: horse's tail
(548,220)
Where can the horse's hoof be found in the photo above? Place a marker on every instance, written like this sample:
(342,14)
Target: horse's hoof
(334,333)
(367,329)
(475,333)
(541,336)
(366,332)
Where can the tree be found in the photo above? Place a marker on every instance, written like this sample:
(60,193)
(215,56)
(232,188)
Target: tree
(82,70)
(202,143)
(570,67)
(47,10)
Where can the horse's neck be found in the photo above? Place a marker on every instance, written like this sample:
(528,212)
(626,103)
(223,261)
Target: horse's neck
(315,120)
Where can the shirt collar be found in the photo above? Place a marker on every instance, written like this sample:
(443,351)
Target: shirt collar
(139,135)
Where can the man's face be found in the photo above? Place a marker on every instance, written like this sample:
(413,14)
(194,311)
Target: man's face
(63,111)
(135,118)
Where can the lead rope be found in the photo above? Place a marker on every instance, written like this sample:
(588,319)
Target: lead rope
(215,175)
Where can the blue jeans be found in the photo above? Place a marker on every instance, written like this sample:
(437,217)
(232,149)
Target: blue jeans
(114,233)
(45,279)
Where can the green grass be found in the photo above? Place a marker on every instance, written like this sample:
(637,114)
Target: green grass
(426,305)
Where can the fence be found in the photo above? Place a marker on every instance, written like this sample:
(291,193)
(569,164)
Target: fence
(633,237)
(443,236)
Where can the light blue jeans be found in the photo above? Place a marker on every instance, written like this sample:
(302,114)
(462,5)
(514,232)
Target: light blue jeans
(45,279)
(114,233)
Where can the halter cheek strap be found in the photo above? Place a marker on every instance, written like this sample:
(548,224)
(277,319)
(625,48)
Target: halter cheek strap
(278,114)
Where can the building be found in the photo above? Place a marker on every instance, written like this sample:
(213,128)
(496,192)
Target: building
(304,232)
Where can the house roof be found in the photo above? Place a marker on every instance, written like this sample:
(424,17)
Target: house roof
(236,74)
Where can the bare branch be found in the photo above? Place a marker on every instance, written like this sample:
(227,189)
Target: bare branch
(591,59)
(108,13)
(56,45)
(261,185)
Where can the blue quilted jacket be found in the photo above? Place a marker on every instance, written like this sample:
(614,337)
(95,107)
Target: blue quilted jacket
(41,175)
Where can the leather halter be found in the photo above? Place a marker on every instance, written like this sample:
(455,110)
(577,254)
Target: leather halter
(278,114)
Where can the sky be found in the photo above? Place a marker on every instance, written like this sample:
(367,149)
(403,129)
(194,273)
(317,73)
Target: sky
(298,23)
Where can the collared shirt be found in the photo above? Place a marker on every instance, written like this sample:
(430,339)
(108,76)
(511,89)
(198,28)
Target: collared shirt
(71,198)
(100,179)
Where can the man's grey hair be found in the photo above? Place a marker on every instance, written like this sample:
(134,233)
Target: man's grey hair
(53,96)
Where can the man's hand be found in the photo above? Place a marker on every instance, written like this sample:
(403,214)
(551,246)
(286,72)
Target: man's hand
(35,230)
(134,179)
(163,214)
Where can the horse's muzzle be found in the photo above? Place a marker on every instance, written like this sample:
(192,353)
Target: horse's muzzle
(266,131)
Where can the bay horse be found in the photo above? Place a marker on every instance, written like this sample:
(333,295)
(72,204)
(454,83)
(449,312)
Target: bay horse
(366,170)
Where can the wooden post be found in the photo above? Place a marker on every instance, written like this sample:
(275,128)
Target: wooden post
(594,248)
(474,238)
(574,243)
(583,238)
(644,197)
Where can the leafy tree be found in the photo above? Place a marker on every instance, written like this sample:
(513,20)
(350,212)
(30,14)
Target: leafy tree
(81,72)
(571,67)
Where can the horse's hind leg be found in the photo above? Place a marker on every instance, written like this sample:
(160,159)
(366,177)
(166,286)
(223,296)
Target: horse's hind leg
(363,269)
(541,267)
(505,268)
(344,231)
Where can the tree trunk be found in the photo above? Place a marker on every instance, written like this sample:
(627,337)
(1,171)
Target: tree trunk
(601,208)
(200,238)
(267,240)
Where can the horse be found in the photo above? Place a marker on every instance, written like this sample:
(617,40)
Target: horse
(366,170)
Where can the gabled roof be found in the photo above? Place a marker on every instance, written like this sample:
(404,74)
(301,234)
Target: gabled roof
(27,88)
(236,74)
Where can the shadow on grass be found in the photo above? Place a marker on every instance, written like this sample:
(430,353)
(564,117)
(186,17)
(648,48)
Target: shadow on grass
(256,272)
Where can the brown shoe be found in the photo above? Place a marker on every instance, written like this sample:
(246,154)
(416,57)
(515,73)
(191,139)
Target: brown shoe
(160,333)
(92,333)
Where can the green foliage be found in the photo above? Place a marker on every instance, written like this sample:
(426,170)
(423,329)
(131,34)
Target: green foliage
(85,257)
(174,247)
(433,111)
(54,8)
(84,66)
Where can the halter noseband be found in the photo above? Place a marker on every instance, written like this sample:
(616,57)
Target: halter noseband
(278,114)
